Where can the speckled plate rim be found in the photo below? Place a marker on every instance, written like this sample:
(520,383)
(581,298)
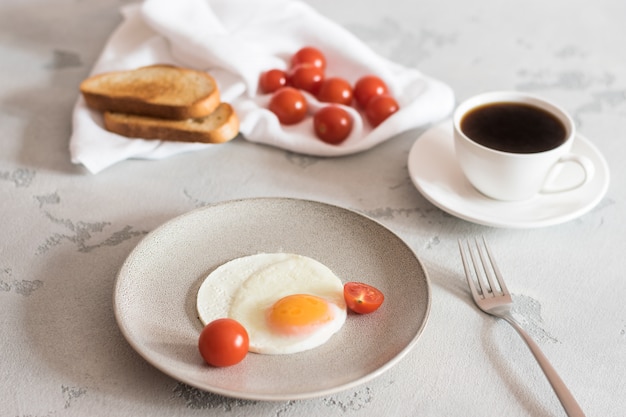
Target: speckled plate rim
(154,295)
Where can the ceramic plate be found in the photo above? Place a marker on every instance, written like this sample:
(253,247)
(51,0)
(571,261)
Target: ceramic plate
(155,295)
(437,175)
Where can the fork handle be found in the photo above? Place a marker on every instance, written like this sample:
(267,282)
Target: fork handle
(562,392)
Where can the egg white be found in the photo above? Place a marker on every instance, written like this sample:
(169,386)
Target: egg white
(216,293)
(244,288)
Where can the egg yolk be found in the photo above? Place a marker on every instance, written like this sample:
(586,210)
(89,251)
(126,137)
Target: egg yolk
(298,314)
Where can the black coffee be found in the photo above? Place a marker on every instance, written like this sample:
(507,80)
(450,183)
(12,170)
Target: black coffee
(514,127)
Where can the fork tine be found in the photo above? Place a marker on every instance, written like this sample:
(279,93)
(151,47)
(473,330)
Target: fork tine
(496,270)
(485,269)
(482,271)
(468,273)
(488,264)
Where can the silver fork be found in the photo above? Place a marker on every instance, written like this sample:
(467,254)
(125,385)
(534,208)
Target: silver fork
(492,297)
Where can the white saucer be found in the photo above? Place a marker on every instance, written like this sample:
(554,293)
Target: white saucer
(437,175)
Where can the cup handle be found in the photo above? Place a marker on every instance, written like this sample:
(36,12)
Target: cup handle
(585,164)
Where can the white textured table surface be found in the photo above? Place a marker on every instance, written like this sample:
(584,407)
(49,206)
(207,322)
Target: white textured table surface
(64,233)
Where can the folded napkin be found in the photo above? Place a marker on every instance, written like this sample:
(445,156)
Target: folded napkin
(236,40)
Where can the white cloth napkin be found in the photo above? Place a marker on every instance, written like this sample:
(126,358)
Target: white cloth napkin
(236,40)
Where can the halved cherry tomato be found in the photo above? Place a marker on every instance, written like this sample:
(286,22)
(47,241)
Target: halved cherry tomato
(335,90)
(223,342)
(272,80)
(367,87)
(289,105)
(309,55)
(306,77)
(332,124)
(380,108)
(362,298)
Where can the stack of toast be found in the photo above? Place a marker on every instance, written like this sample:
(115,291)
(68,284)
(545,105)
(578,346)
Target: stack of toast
(162,102)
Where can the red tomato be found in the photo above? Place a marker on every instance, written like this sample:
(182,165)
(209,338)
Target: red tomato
(332,124)
(380,108)
(362,298)
(367,87)
(309,55)
(272,80)
(335,90)
(289,105)
(306,77)
(223,342)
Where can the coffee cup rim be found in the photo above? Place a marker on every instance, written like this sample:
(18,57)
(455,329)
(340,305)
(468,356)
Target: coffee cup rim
(493,97)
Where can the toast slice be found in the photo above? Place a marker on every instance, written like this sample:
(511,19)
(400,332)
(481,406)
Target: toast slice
(163,91)
(220,126)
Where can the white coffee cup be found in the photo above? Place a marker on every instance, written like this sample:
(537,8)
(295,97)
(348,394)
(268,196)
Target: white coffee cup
(509,174)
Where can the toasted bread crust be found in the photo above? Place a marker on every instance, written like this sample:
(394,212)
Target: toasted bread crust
(220,126)
(162,91)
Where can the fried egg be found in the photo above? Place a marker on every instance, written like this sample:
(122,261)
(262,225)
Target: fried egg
(288,303)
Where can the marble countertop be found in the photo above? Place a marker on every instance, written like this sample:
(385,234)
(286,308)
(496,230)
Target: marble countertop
(65,232)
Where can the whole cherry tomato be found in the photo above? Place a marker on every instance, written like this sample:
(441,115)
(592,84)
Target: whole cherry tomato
(289,105)
(367,87)
(306,77)
(309,55)
(335,90)
(223,342)
(332,124)
(380,108)
(272,80)
(362,298)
